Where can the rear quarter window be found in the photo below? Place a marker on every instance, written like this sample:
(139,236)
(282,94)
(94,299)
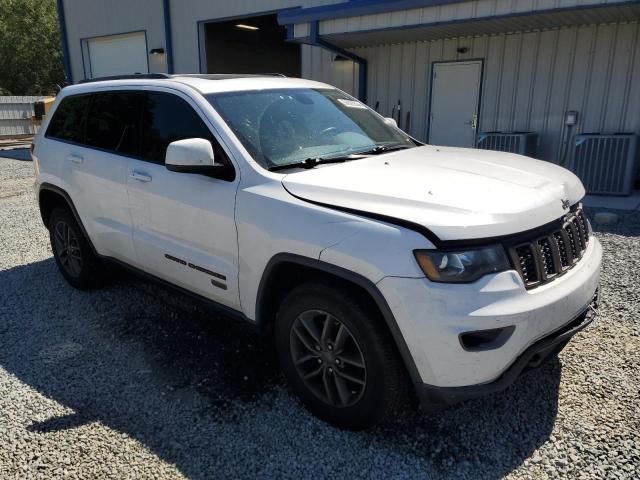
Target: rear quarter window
(69,119)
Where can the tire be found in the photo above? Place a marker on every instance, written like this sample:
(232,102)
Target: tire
(72,252)
(356,351)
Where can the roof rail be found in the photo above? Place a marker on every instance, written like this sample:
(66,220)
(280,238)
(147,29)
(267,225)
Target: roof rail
(165,76)
(135,76)
(227,76)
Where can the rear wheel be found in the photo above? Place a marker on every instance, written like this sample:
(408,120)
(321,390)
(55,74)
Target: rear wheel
(72,252)
(338,357)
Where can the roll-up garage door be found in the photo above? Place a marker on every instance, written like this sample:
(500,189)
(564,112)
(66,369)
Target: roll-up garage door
(118,55)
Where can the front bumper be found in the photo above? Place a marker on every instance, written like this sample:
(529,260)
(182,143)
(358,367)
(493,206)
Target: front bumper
(437,397)
(433,317)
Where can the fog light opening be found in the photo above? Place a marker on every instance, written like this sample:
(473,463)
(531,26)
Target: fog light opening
(483,340)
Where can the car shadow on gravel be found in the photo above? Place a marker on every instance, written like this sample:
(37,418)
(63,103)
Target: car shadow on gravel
(626,224)
(16,154)
(203,391)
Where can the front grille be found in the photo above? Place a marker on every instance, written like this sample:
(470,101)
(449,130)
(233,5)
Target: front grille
(548,254)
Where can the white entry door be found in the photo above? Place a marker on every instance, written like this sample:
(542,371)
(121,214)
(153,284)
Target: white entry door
(455,97)
(118,55)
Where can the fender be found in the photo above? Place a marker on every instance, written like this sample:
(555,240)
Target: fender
(53,188)
(357,279)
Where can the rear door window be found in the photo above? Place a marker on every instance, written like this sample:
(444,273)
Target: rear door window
(168,118)
(68,121)
(114,122)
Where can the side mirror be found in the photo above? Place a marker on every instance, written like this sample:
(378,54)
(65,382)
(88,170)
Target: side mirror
(391,121)
(195,155)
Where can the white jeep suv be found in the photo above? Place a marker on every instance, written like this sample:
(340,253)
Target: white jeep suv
(376,262)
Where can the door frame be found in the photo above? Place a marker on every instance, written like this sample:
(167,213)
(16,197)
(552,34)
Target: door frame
(201,24)
(480,86)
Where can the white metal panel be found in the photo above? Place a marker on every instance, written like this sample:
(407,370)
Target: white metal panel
(15,115)
(186,14)
(530,80)
(301,30)
(319,64)
(118,55)
(453,12)
(92,18)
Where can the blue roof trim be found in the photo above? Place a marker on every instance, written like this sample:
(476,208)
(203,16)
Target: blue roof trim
(168,38)
(490,18)
(354,8)
(315,39)
(64,40)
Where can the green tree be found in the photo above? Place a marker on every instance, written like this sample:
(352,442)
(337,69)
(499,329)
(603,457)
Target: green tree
(30,51)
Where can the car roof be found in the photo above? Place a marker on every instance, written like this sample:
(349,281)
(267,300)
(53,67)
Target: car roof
(205,84)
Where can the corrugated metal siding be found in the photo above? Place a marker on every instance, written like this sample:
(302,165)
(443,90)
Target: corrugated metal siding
(92,18)
(185,16)
(15,115)
(450,13)
(529,81)
(109,17)
(318,64)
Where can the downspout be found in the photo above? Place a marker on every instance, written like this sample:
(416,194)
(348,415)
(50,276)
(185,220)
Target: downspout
(65,42)
(314,39)
(166,5)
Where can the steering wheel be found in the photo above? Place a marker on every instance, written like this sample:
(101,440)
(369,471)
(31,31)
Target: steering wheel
(281,130)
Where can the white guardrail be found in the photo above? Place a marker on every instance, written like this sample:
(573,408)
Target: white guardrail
(16,116)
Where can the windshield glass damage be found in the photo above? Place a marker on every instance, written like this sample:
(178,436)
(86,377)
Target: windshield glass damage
(306,127)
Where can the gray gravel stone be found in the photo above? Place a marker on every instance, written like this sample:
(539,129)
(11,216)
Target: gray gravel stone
(136,381)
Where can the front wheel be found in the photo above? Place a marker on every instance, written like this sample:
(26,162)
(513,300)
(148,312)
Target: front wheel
(72,252)
(338,357)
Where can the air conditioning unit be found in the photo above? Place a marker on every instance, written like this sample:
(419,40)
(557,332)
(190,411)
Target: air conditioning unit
(606,164)
(523,143)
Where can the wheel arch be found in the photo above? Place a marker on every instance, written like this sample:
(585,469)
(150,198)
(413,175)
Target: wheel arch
(51,196)
(286,270)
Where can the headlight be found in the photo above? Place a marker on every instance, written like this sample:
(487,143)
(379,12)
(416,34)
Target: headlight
(462,266)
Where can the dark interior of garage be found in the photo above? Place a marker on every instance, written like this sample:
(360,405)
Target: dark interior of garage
(250,45)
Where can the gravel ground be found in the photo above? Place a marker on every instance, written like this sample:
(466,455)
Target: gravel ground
(135,381)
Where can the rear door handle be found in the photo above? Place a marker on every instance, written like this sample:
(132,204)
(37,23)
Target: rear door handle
(75,158)
(141,177)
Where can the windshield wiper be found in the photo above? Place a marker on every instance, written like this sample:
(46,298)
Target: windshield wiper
(378,149)
(312,162)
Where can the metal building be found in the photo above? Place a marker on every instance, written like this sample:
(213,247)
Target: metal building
(540,73)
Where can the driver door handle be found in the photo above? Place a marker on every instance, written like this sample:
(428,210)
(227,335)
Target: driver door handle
(140,177)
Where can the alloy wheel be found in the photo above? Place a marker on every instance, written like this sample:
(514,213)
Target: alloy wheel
(68,248)
(328,358)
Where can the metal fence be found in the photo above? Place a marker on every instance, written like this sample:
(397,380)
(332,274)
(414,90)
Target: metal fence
(16,115)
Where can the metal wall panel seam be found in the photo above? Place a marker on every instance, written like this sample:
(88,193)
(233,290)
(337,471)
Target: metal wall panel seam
(588,76)
(604,102)
(532,87)
(503,52)
(567,85)
(552,70)
(516,81)
(630,71)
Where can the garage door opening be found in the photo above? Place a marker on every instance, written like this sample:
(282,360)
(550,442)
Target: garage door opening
(115,55)
(249,45)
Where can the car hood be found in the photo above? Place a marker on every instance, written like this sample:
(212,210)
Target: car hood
(456,193)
